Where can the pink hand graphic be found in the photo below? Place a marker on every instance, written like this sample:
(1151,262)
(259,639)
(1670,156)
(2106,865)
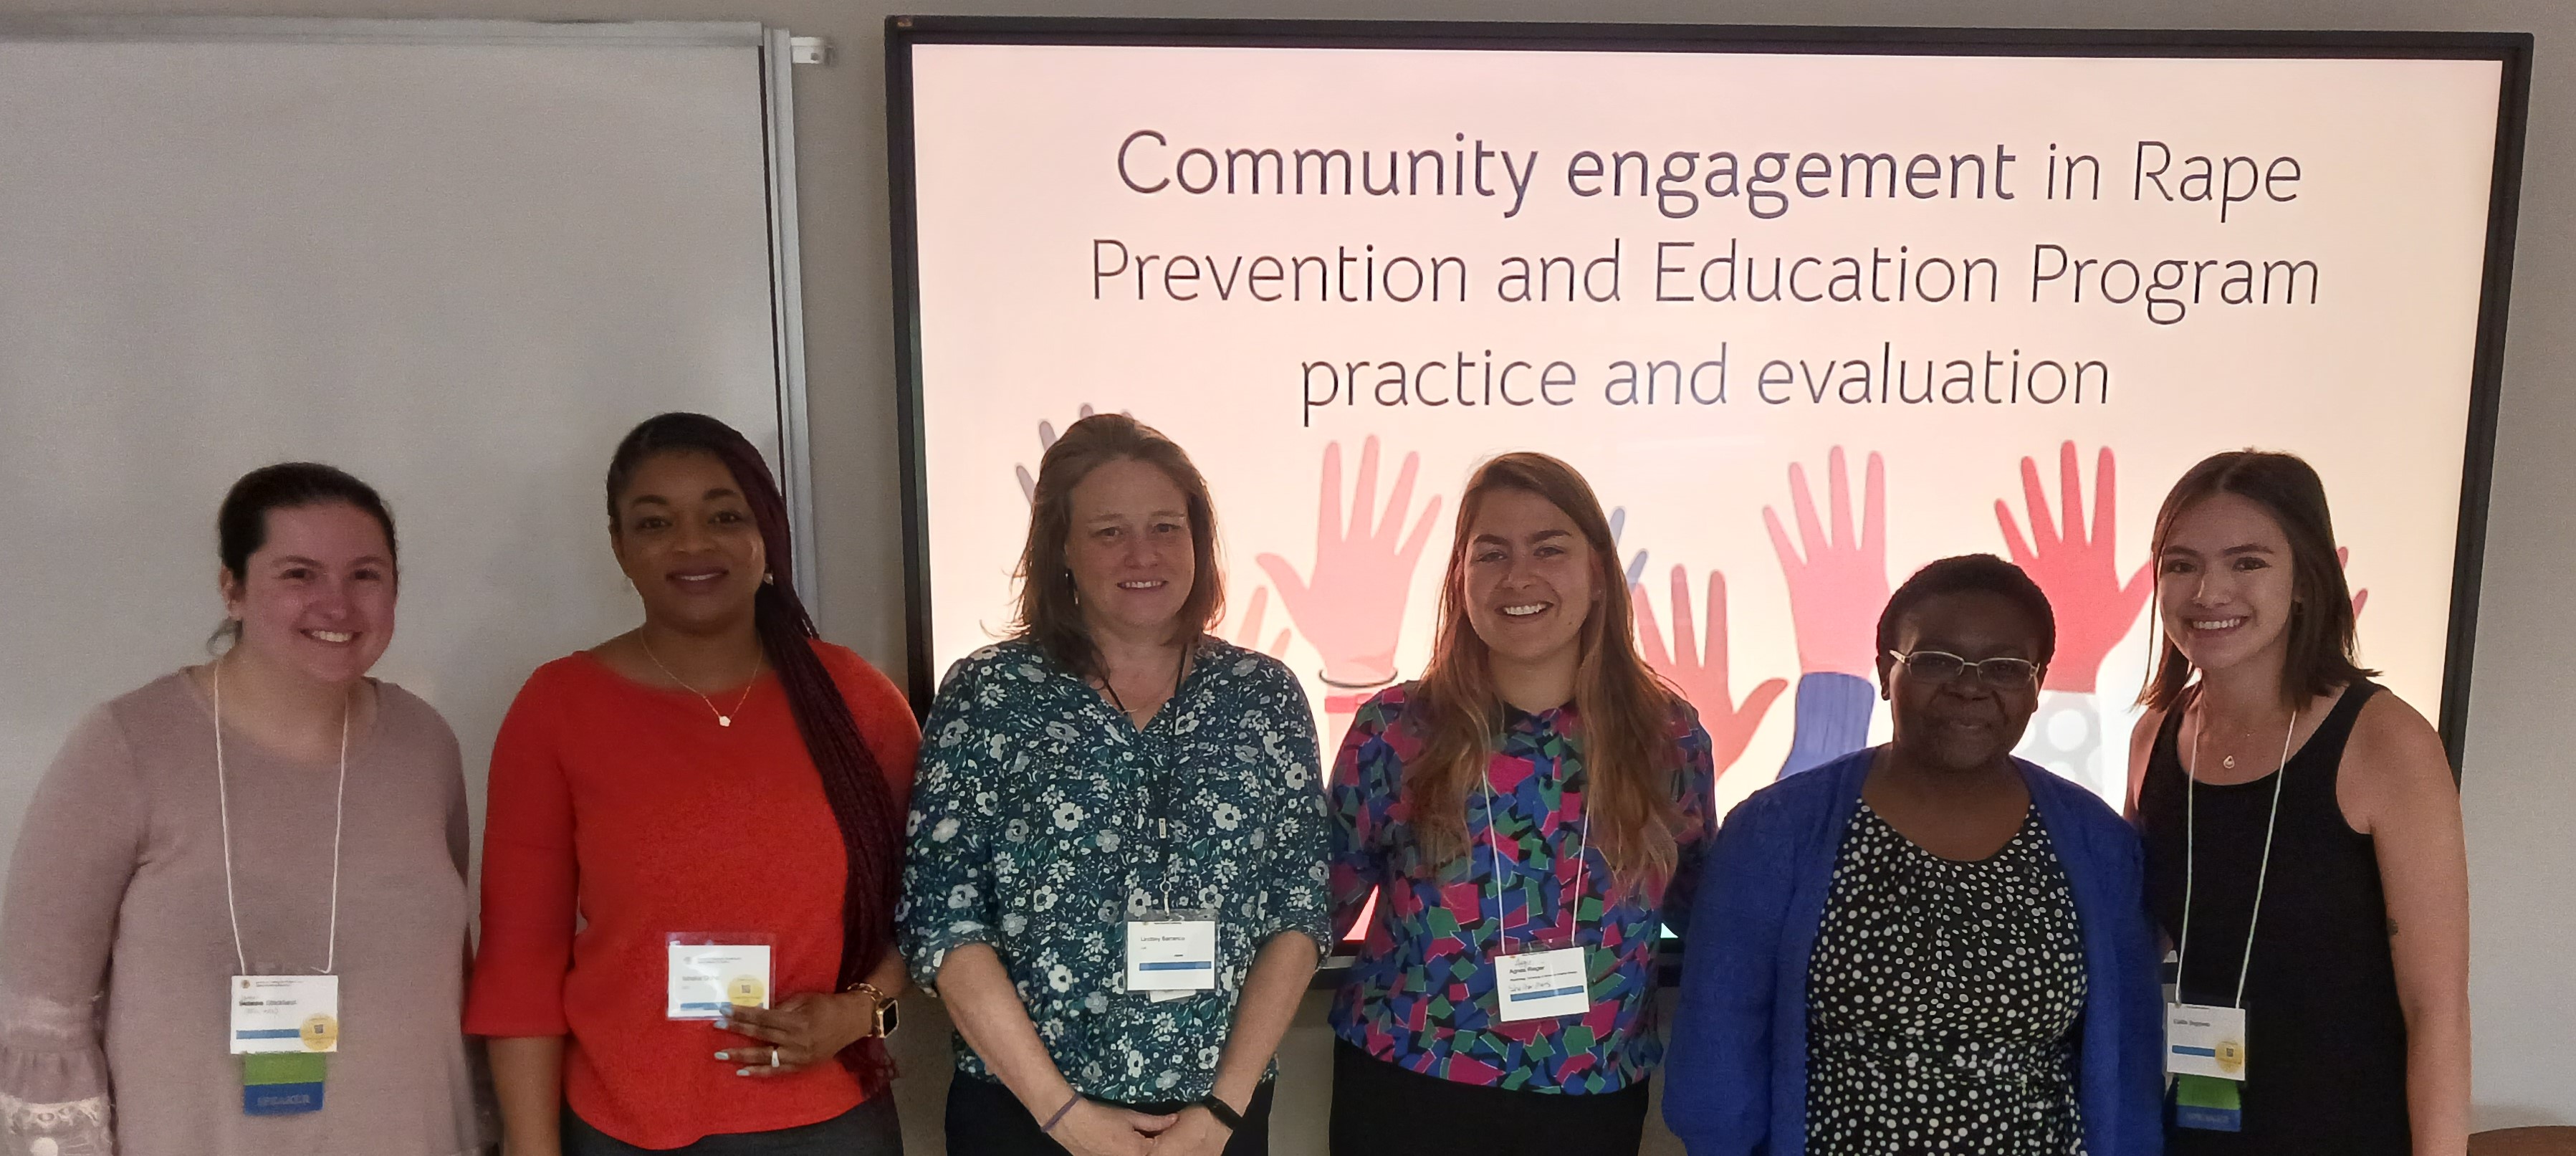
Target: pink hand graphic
(2079,574)
(2360,598)
(1247,632)
(1353,608)
(1702,677)
(1838,587)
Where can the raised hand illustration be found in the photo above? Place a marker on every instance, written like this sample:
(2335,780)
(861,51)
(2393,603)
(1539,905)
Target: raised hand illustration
(1701,675)
(1350,605)
(2360,598)
(1618,530)
(1046,441)
(2079,572)
(1247,633)
(1837,586)
(1837,580)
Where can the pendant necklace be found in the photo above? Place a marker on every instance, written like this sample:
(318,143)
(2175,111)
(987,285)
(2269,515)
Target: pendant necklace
(722,719)
(2229,761)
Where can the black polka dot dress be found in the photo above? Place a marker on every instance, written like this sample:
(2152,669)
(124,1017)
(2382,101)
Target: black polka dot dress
(1942,1001)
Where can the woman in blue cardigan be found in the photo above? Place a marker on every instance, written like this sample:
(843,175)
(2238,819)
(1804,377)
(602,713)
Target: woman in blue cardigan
(1930,946)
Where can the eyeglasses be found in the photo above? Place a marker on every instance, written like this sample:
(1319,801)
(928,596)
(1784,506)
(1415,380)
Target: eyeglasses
(1941,666)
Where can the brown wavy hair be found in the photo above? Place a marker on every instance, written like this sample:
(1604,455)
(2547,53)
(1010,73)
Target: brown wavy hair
(1049,614)
(2322,630)
(1623,711)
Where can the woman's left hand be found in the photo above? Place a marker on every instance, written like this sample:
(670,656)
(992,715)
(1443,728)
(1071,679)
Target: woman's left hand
(806,1030)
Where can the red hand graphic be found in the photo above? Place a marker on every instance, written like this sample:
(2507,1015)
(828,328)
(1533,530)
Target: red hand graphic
(1702,677)
(2079,574)
(1352,609)
(1247,632)
(1838,587)
(2360,598)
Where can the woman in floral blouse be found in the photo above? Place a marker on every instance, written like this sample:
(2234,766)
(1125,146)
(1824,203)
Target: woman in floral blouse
(1529,814)
(1116,870)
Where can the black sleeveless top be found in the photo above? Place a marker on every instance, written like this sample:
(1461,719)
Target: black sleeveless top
(2325,1037)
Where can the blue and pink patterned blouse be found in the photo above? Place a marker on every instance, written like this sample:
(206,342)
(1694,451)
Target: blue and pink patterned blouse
(1422,991)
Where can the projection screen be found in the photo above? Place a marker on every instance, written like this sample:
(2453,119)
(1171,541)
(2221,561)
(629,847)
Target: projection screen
(1809,309)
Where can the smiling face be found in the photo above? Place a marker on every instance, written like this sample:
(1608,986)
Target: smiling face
(2225,583)
(1128,546)
(1529,581)
(687,540)
(317,597)
(1966,723)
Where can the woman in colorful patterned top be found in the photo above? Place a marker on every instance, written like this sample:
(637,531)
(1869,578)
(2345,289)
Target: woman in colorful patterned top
(1508,975)
(1116,872)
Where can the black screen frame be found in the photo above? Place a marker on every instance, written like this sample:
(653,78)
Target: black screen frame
(2512,50)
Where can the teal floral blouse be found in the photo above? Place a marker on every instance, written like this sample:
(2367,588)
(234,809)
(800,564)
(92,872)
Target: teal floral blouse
(1038,827)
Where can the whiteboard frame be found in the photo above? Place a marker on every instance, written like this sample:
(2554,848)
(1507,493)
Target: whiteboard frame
(793,453)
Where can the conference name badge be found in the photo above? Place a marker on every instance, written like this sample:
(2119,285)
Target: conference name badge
(2205,1041)
(708,979)
(284,1013)
(1541,984)
(1171,955)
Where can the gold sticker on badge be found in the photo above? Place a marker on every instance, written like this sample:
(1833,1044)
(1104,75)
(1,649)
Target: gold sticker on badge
(320,1033)
(746,991)
(2231,1056)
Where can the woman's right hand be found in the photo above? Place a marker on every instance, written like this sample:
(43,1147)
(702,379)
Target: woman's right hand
(1096,1129)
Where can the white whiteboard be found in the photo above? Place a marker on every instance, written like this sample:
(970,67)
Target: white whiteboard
(459,260)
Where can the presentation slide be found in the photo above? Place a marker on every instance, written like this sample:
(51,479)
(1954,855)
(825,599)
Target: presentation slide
(1806,321)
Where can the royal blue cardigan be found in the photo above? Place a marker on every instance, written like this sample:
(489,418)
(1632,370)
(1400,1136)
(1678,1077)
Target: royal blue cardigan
(1735,1078)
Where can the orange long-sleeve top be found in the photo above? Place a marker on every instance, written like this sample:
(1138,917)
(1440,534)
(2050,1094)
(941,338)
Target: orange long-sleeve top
(629,806)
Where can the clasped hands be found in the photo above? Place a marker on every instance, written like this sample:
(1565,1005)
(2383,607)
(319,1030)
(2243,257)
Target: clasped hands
(1093,1128)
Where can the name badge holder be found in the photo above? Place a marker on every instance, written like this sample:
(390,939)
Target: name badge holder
(2205,1051)
(282,1026)
(1541,983)
(710,973)
(1171,954)
(1533,981)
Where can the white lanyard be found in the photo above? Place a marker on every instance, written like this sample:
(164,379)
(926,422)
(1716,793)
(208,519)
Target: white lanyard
(223,803)
(2190,857)
(1583,840)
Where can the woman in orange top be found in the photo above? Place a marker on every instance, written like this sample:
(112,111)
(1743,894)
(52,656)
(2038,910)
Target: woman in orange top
(718,796)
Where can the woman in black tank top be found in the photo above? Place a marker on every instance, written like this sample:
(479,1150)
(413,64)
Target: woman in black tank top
(2303,836)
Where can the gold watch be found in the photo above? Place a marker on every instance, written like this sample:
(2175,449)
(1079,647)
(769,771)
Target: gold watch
(884,1009)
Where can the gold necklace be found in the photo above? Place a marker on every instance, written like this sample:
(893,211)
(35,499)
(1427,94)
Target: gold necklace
(722,719)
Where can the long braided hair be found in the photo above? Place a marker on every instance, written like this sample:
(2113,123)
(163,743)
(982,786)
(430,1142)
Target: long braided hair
(861,804)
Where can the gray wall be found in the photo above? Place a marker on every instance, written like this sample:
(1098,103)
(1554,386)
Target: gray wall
(2519,801)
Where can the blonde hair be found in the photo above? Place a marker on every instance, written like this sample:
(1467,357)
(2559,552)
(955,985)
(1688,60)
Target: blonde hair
(1624,712)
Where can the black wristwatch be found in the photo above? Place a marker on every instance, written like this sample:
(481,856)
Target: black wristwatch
(1224,1113)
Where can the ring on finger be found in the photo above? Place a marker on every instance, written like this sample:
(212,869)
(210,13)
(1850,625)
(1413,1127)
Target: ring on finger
(773,1057)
